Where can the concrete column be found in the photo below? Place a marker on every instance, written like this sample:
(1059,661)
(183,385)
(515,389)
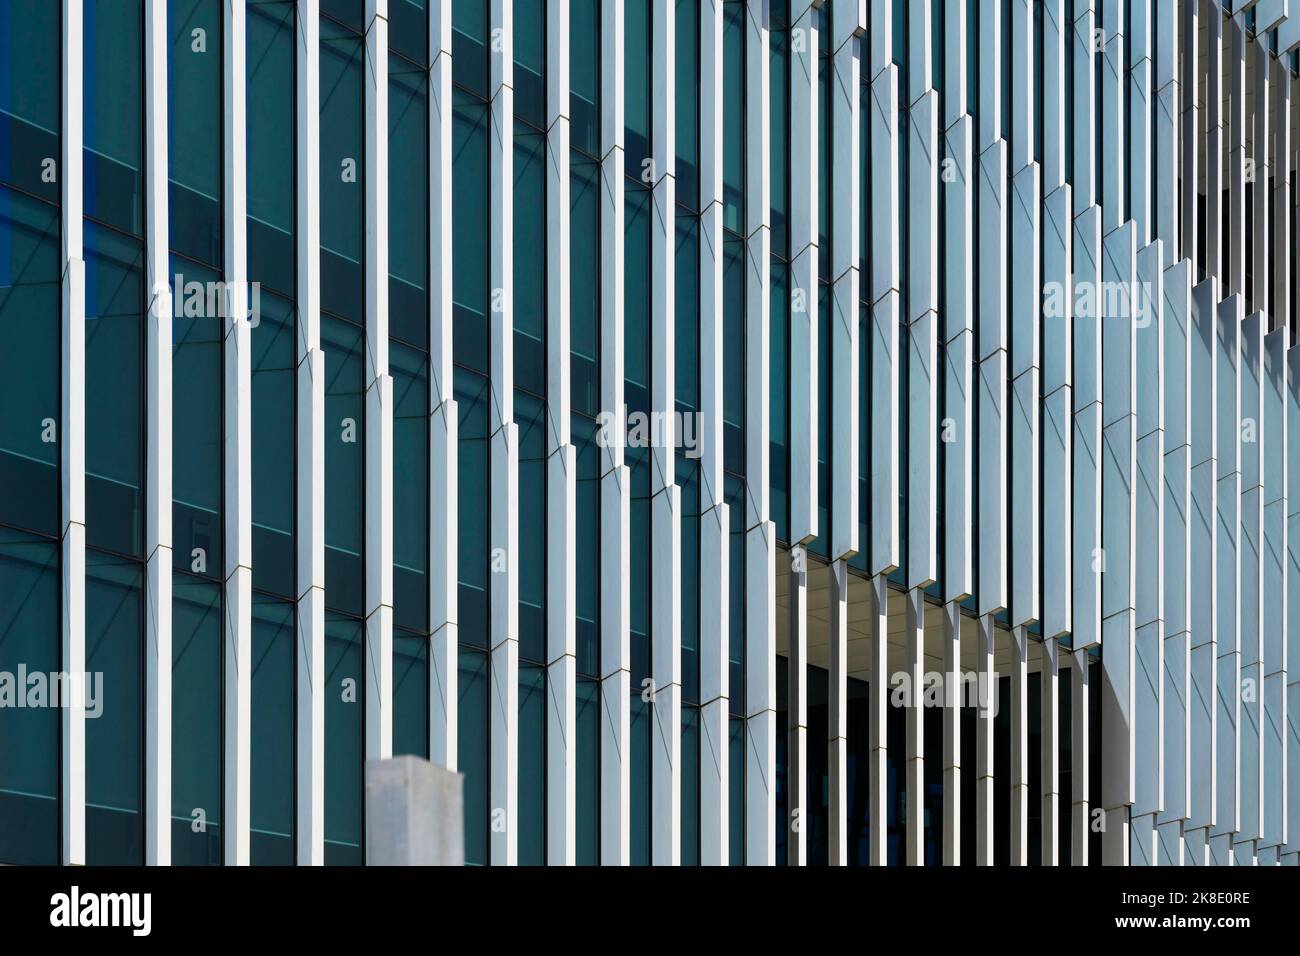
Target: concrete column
(953,685)
(1049,681)
(915,755)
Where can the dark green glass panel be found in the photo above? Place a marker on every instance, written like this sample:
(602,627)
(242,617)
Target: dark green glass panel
(584,285)
(639,727)
(733,117)
(194,124)
(472,750)
(469,45)
(410,694)
(736,794)
(532,765)
(530,62)
(637,86)
(349,13)
(690,833)
(410,371)
(472,503)
(342,172)
(779,403)
(636,297)
(272,759)
(688,483)
(530,416)
(197,345)
(30,304)
(344,717)
(687,102)
(29,719)
(196,721)
(584,76)
(470,225)
(114,391)
(273,460)
(638,461)
(114,738)
(734,493)
(821,544)
(587,773)
(733,355)
(270,144)
(113,71)
(29,112)
(530,259)
(343,344)
(587,529)
(408,29)
(408,204)
(779,150)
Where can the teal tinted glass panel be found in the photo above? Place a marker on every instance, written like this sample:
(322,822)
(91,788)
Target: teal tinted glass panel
(530,259)
(343,344)
(779,155)
(637,460)
(686,344)
(472,750)
(271,767)
(194,128)
(112,114)
(688,483)
(410,694)
(196,721)
(532,765)
(584,76)
(29,734)
(736,795)
(410,372)
(587,529)
(469,211)
(350,13)
(408,203)
(29,112)
(584,285)
(344,713)
(636,85)
(733,117)
(690,833)
(734,495)
(687,101)
(472,503)
(408,29)
(587,773)
(530,416)
(342,173)
(30,304)
(114,391)
(530,61)
(270,144)
(197,346)
(469,45)
(821,544)
(273,460)
(639,728)
(779,403)
(636,297)
(733,355)
(114,739)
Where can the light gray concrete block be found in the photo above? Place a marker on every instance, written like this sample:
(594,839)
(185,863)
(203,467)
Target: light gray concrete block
(414,813)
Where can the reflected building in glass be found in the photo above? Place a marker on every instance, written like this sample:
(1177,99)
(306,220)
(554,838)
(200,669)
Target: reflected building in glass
(738,432)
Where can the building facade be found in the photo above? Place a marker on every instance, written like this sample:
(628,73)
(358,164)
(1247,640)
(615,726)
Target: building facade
(727,432)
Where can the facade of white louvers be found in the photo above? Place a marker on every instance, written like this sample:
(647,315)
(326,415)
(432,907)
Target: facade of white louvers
(1010,483)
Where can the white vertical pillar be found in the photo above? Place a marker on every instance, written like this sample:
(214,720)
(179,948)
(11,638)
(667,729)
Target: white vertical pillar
(503,702)
(1290,775)
(1259,167)
(986,678)
(1112,173)
(1084,93)
(1283,210)
(72,447)
(1190,129)
(665,502)
(1203,543)
(1057,414)
(310,527)
(952,626)
(796,822)
(878,803)
(158,480)
(1234,79)
(1250,586)
(1213,124)
(561,464)
(615,477)
(237,425)
(1080,747)
(1019,783)
(1140,72)
(379,396)
(443,413)
(915,748)
(837,724)
(1168,104)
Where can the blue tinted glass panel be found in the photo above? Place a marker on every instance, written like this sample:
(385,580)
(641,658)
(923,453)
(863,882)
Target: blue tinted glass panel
(472,397)
(271,778)
(470,225)
(736,797)
(587,773)
(636,297)
(779,158)
(469,45)
(472,750)
(113,72)
(530,259)
(29,112)
(687,298)
(587,527)
(408,29)
(273,460)
(30,304)
(194,128)
(640,729)
(344,713)
(114,739)
(779,408)
(342,173)
(530,415)
(690,835)
(29,735)
(530,61)
(687,102)
(584,285)
(636,85)
(410,694)
(408,191)
(532,765)
(270,144)
(196,721)
(410,372)
(584,76)
(343,343)
(733,117)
